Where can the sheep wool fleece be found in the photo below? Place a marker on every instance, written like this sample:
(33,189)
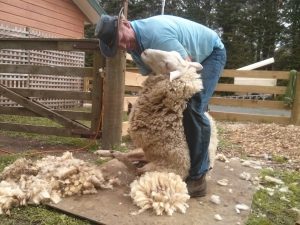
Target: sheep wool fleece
(156,122)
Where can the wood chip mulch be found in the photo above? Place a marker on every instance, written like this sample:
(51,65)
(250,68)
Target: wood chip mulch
(266,141)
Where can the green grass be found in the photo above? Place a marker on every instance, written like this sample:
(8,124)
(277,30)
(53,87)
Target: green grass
(43,139)
(279,159)
(274,210)
(38,121)
(6,160)
(39,215)
(52,140)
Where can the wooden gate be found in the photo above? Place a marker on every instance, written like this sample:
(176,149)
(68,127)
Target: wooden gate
(24,96)
(133,83)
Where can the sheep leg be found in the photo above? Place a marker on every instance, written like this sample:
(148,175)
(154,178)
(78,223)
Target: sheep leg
(122,157)
(137,155)
(147,168)
(105,153)
(126,158)
(134,155)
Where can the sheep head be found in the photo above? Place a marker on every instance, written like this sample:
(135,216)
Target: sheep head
(163,62)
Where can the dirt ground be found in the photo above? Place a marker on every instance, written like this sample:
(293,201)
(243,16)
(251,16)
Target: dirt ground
(19,144)
(114,206)
(261,142)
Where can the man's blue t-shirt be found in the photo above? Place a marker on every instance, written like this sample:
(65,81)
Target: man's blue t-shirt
(171,33)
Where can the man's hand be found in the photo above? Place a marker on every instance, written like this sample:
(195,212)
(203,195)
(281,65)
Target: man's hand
(188,59)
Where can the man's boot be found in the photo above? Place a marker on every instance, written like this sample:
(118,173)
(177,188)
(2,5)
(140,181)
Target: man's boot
(197,188)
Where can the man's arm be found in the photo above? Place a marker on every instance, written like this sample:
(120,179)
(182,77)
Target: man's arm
(144,70)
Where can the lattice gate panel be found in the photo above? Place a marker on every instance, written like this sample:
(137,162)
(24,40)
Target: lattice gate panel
(33,57)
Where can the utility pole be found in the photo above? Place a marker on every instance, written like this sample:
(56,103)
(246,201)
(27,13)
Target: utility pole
(163,7)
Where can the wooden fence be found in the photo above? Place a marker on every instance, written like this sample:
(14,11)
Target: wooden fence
(39,57)
(25,96)
(108,100)
(133,83)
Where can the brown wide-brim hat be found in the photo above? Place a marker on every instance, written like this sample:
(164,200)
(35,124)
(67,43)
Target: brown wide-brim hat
(107,32)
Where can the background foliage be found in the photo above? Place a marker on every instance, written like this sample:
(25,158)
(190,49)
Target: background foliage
(252,30)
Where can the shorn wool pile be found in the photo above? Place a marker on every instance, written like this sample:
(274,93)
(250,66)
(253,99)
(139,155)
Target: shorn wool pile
(48,180)
(163,192)
(156,127)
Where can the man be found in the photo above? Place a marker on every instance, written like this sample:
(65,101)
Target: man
(194,42)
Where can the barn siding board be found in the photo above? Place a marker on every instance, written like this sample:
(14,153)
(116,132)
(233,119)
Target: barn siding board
(59,32)
(14,10)
(57,8)
(43,11)
(69,6)
(45,16)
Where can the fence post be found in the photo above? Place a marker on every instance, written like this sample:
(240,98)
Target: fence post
(114,87)
(295,116)
(97,91)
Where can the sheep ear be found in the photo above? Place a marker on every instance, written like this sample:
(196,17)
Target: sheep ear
(175,74)
(196,65)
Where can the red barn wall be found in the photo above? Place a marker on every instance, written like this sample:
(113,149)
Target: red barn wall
(62,18)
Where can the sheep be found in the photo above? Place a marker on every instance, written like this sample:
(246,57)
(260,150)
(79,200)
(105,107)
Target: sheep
(156,127)
(156,118)
(48,180)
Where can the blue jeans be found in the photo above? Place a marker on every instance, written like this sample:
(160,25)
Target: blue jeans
(196,124)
